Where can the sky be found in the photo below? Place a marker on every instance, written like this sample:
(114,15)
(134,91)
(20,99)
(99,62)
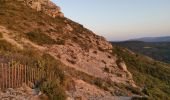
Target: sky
(119,20)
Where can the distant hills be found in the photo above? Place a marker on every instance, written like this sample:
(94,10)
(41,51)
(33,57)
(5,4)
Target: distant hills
(152,39)
(157,50)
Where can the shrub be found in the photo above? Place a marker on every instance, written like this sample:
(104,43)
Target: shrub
(54,66)
(6,46)
(53,90)
(38,37)
(101,83)
(60,41)
(98,82)
(41,23)
(134,90)
(106,69)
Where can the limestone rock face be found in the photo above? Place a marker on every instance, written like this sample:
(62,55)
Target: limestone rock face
(35,4)
(45,6)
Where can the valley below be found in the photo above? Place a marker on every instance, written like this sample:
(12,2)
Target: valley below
(159,51)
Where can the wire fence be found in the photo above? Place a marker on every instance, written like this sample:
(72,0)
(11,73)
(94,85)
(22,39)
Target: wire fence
(14,76)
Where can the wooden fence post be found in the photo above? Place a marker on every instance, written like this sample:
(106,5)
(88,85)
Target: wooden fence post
(22,71)
(20,75)
(32,75)
(8,67)
(38,73)
(15,78)
(2,81)
(17,75)
(25,80)
(29,74)
(6,75)
(12,77)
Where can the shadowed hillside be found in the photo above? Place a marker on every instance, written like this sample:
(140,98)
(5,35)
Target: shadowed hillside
(151,75)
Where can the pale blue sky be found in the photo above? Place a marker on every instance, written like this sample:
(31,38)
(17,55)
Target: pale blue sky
(120,19)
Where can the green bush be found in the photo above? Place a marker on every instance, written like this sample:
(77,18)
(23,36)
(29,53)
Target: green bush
(106,69)
(98,82)
(54,66)
(60,41)
(101,83)
(53,90)
(7,47)
(40,38)
(4,45)
(134,90)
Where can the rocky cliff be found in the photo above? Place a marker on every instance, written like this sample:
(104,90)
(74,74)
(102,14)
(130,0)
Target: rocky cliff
(45,29)
(45,6)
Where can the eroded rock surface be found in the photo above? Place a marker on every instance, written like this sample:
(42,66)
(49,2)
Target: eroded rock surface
(45,6)
(22,93)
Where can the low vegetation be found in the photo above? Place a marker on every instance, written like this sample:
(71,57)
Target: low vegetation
(7,47)
(40,38)
(60,41)
(54,89)
(152,76)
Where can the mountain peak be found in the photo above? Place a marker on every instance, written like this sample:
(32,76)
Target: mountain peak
(46,6)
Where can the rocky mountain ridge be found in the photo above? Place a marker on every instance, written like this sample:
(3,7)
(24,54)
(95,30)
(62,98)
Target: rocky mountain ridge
(152,39)
(45,6)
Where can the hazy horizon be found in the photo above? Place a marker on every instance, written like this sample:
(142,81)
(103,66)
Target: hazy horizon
(119,20)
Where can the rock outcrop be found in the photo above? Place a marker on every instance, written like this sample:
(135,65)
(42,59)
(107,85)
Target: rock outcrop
(45,6)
